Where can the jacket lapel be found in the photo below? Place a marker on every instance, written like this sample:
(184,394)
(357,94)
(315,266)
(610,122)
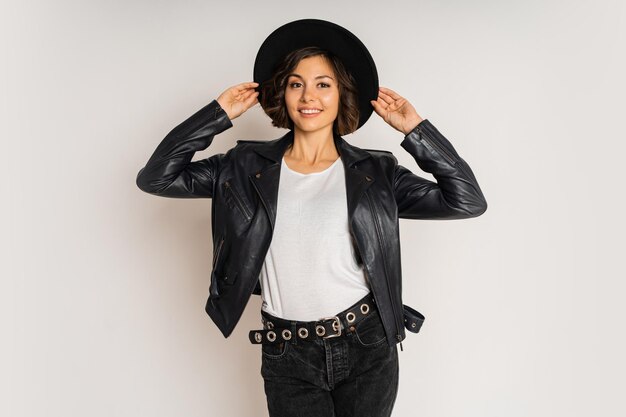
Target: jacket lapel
(266,179)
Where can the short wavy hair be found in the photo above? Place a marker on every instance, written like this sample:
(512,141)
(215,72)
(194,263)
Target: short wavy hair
(272,91)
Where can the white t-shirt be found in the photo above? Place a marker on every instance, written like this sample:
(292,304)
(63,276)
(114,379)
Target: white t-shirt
(311,270)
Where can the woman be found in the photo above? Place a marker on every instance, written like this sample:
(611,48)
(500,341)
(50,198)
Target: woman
(310,222)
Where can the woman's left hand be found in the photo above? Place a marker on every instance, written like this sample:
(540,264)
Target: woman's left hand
(396,110)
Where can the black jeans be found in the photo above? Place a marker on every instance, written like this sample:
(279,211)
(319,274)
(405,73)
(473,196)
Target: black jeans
(348,376)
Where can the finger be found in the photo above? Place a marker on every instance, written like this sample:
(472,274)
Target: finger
(390,93)
(375,105)
(251,100)
(395,102)
(244,94)
(245,86)
(251,84)
(378,108)
(392,100)
(380,102)
(385,98)
(250,96)
(247,93)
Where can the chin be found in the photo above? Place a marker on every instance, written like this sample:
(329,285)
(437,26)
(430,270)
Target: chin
(312,125)
(313,128)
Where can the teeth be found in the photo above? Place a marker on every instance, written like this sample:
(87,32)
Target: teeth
(309,111)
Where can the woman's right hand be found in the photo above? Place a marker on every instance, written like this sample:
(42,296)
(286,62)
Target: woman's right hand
(238,98)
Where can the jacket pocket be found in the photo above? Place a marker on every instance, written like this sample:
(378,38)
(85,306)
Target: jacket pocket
(235,199)
(224,271)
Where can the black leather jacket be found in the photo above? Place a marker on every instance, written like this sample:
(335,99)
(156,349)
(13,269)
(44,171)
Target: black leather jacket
(243,185)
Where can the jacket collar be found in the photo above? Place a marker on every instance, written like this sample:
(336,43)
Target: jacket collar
(275,149)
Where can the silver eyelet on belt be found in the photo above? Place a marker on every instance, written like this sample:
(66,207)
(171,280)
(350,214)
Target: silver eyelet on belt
(286,334)
(365,308)
(350,317)
(320,330)
(258,337)
(303,332)
(271,336)
(270,325)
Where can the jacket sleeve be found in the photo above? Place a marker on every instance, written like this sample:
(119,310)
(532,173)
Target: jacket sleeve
(170,172)
(455,195)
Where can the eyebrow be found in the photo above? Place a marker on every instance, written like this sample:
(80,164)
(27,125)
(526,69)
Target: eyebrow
(319,76)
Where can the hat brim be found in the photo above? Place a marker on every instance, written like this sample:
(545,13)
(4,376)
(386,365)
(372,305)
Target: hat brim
(329,36)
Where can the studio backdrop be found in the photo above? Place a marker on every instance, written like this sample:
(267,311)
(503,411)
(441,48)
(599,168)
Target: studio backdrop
(103,286)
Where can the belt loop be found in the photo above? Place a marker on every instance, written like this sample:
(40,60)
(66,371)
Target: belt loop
(294,332)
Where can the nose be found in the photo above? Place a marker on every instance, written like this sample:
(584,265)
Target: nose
(307,94)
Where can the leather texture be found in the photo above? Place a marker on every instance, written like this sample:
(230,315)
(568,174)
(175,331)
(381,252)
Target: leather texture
(243,186)
(413,319)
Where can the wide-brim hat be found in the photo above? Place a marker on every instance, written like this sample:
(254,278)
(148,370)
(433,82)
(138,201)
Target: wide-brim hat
(327,35)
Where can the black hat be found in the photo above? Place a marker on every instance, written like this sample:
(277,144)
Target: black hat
(327,35)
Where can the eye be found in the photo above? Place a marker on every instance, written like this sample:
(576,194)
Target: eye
(327,85)
(292,84)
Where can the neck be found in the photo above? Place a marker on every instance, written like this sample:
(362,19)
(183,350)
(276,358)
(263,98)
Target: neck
(312,147)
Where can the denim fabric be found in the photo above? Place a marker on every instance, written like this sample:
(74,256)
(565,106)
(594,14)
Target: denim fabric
(355,375)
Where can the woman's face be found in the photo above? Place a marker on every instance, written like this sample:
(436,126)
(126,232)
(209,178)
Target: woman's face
(312,85)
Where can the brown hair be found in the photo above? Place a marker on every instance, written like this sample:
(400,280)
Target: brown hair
(272,91)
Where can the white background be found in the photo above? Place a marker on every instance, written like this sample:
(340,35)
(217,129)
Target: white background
(103,286)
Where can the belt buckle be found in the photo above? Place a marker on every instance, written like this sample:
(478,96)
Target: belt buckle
(337,323)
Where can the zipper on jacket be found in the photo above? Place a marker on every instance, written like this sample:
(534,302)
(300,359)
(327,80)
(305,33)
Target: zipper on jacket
(367,275)
(213,290)
(382,249)
(398,337)
(217,252)
(439,148)
(240,203)
(446,154)
(267,209)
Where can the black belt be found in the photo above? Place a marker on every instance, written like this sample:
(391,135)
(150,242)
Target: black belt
(280,330)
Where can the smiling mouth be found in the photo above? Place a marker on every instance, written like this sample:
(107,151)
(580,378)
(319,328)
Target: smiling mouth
(309,111)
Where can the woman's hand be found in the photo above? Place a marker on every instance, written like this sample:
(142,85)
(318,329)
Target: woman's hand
(396,110)
(238,98)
